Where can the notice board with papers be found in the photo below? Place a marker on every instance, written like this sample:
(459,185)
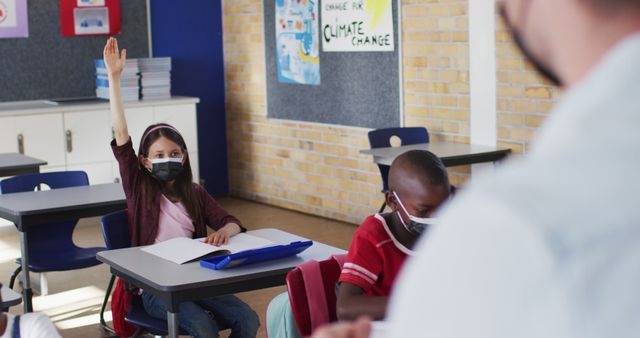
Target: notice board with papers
(334,62)
(47,65)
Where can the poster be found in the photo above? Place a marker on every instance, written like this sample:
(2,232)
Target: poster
(357,26)
(13,19)
(89,17)
(298,42)
(89,21)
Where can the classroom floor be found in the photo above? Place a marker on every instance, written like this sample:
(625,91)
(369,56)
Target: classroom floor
(75,297)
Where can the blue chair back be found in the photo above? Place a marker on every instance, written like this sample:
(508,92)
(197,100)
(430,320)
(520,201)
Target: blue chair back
(381,138)
(51,246)
(115,230)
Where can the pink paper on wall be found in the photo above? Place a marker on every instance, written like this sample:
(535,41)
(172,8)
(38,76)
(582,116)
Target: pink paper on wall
(14,22)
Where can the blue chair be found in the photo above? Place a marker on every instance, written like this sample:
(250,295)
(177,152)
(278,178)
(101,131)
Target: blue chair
(115,230)
(381,138)
(50,245)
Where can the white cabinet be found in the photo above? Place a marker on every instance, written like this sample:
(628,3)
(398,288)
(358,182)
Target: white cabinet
(77,137)
(138,119)
(8,140)
(38,136)
(183,118)
(87,137)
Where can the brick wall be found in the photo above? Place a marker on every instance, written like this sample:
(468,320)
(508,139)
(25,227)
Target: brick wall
(317,168)
(523,98)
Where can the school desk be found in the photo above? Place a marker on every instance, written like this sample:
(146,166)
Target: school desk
(175,284)
(12,164)
(37,207)
(9,298)
(452,154)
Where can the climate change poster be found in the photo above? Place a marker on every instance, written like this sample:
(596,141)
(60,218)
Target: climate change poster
(357,26)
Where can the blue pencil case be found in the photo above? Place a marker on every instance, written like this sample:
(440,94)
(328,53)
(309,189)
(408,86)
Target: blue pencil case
(255,256)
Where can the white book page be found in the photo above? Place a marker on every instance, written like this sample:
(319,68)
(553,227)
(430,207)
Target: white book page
(181,250)
(243,242)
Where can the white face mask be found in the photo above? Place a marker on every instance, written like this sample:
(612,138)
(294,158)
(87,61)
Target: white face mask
(416,225)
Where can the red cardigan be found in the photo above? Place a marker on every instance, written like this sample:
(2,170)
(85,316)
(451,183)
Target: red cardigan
(143,220)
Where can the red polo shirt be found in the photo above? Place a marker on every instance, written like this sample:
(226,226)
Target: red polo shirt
(375,258)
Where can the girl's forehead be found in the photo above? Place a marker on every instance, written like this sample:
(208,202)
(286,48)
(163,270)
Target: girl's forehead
(163,143)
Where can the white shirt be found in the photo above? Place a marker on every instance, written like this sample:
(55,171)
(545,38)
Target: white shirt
(32,325)
(549,245)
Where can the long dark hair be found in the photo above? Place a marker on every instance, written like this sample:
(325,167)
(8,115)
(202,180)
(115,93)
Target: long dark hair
(183,184)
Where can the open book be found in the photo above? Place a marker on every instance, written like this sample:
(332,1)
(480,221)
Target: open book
(182,249)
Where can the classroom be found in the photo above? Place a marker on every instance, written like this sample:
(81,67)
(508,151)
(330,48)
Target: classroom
(487,144)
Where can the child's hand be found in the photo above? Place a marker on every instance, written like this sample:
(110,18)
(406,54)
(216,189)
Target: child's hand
(358,329)
(221,237)
(113,59)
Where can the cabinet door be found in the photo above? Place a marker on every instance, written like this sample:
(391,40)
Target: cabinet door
(98,173)
(138,119)
(43,137)
(183,118)
(8,135)
(194,161)
(87,135)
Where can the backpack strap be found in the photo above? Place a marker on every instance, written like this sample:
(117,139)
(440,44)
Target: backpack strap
(15,330)
(340,259)
(314,289)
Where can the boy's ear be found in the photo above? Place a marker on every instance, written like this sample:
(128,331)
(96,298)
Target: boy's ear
(391,200)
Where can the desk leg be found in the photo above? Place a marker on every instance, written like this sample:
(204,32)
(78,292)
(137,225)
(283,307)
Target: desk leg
(172,324)
(27,293)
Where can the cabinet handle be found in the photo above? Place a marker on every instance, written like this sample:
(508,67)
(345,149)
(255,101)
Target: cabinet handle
(21,144)
(69,141)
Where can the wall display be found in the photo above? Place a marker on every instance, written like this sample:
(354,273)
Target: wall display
(13,19)
(357,26)
(297,42)
(48,65)
(89,17)
(342,82)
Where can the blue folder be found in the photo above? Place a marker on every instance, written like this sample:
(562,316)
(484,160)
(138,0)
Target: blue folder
(255,256)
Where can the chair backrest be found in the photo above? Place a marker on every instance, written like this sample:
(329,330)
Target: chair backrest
(55,180)
(51,236)
(381,138)
(312,293)
(115,230)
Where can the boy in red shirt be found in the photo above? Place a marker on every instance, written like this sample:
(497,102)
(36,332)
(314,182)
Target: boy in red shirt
(418,185)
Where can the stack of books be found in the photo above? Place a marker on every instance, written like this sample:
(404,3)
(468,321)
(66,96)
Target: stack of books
(129,81)
(155,78)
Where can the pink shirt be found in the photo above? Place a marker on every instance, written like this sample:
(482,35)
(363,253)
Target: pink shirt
(174,221)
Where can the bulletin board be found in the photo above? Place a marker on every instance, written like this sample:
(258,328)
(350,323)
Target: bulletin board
(46,65)
(361,89)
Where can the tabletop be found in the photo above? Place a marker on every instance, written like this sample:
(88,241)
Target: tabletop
(15,164)
(164,275)
(9,298)
(450,153)
(58,204)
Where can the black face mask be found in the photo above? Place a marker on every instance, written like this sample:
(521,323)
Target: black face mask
(545,71)
(166,169)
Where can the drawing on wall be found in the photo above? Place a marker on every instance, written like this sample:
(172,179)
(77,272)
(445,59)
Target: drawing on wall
(13,19)
(89,21)
(357,26)
(298,42)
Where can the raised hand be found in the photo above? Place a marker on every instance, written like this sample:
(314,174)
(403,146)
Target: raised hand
(114,59)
